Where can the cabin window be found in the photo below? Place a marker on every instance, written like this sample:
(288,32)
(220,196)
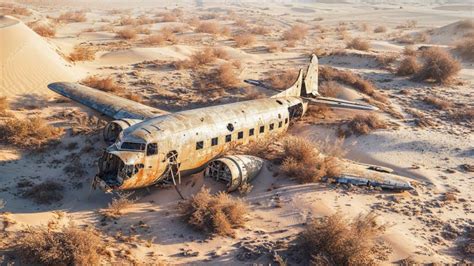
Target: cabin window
(199,145)
(214,141)
(272,126)
(228,138)
(133,146)
(262,129)
(286,120)
(151,149)
(240,135)
(251,132)
(280,124)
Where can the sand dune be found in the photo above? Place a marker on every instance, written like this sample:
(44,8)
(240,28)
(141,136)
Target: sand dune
(28,62)
(450,33)
(135,55)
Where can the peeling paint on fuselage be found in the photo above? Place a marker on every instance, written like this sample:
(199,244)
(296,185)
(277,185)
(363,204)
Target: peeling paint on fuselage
(182,133)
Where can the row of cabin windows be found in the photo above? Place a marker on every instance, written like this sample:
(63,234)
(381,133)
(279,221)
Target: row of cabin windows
(240,135)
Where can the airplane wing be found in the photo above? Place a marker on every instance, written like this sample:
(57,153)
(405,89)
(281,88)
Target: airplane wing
(108,104)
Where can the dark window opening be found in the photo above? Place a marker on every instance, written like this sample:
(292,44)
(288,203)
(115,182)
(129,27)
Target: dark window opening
(214,141)
(286,120)
(251,132)
(133,146)
(262,129)
(278,101)
(230,127)
(228,138)
(152,149)
(272,126)
(280,124)
(199,145)
(295,111)
(240,135)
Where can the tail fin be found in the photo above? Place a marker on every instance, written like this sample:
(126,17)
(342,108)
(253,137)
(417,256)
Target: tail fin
(305,84)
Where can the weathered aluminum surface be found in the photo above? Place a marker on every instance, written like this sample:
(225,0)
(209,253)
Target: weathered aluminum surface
(234,170)
(385,182)
(111,105)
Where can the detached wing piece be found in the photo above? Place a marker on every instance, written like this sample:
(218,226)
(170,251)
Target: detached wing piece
(110,105)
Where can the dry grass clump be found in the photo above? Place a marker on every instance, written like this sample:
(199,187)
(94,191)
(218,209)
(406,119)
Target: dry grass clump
(348,78)
(358,44)
(466,115)
(203,57)
(70,245)
(274,47)
(218,214)
(45,193)
(4,105)
(72,16)
(28,133)
(302,161)
(408,66)
(116,208)
(296,33)
(82,53)
(127,33)
(380,29)
(362,125)
(283,79)
(409,51)
(330,89)
(44,30)
(169,17)
(437,102)
(438,65)
(334,240)
(226,76)
(16,11)
(104,84)
(385,60)
(155,39)
(419,37)
(244,39)
(465,48)
(260,30)
(209,27)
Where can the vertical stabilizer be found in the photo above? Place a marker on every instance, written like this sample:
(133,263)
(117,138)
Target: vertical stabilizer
(310,83)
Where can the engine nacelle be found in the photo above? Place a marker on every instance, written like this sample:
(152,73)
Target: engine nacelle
(112,129)
(234,170)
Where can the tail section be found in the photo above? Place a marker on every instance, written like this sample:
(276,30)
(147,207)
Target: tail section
(306,84)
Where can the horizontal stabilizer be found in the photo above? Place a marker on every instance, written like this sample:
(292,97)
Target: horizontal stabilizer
(108,104)
(338,103)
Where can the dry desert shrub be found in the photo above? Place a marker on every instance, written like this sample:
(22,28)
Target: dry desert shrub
(142,30)
(104,84)
(209,27)
(380,29)
(45,193)
(358,44)
(409,24)
(409,51)
(408,66)
(274,47)
(82,53)
(334,240)
(244,39)
(226,76)
(69,245)
(127,33)
(72,16)
(216,214)
(437,102)
(44,30)
(116,208)
(16,10)
(4,105)
(296,33)
(29,133)
(169,17)
(241,23)
(203,57)
(419,37)
(438,65)
(466,115)
(362,125)
(282,79)
(155,39)
(465,48)
(302,161)
(221,53)
(134,97)
(260,30)
(330,89)
(386,60)
(348,78)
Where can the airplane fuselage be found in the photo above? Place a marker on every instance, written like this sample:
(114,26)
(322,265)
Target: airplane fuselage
(145,152)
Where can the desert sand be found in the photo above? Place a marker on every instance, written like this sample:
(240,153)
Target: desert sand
(421,224)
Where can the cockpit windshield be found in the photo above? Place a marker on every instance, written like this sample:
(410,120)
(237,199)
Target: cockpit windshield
(133,146)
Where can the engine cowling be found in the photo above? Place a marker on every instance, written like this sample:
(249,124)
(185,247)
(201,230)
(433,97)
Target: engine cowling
(234,170)
(113,129)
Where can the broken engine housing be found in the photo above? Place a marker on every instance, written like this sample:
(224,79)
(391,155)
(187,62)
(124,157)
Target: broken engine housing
(234,170)
(112,129)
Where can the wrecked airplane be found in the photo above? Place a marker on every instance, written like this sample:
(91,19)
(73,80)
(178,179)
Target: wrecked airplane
(149,146)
